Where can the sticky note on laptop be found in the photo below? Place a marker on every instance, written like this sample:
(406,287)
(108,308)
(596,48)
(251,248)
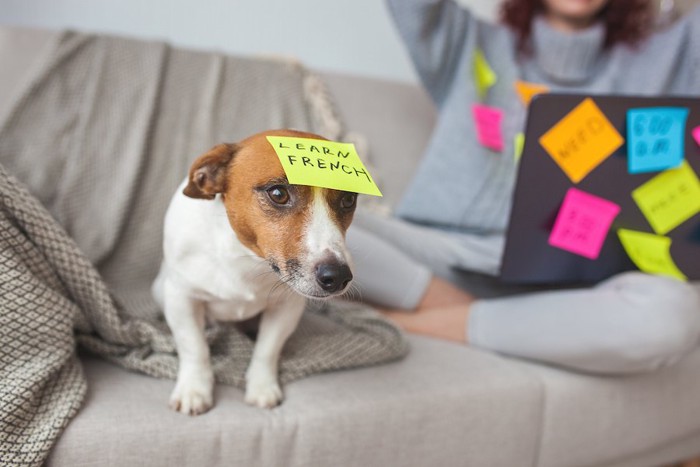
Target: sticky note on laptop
(655,138)
(670,198)
(582,140)
(327,164)
(650,253)
(696,134)
(583,223)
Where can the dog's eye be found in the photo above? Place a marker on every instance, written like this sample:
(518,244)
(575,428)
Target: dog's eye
(348,200)
(278,195)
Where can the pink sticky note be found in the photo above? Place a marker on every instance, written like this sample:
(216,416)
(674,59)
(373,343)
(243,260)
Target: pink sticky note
(696,134)
(488,126)
(583,223)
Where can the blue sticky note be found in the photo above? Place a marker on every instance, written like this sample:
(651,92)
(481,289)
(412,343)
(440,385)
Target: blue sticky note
(655,138)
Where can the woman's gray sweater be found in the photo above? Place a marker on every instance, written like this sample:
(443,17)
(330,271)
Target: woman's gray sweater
(461,186)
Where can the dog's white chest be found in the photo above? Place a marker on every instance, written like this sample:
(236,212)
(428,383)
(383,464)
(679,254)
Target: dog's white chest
(235,309)
(204,257)
(233,289)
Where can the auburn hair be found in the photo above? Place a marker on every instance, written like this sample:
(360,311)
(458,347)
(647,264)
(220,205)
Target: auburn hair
(626,21)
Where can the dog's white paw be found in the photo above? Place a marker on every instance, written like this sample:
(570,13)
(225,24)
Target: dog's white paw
(265,394)
(192,397)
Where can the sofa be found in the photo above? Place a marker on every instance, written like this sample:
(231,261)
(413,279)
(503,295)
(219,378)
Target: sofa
(444,404)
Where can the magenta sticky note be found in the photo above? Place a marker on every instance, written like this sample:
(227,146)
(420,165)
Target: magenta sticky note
(488,126)
(583,223)
(696,134)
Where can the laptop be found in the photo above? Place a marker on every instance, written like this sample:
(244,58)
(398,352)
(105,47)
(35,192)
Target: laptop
(545,185)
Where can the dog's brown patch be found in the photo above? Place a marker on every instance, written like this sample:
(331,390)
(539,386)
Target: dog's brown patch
(340,210)
(208,173)
(243,173)
(271,231)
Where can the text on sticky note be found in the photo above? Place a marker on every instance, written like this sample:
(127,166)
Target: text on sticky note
(322,163)
(670,198)
(484,76)
(581,140)
(488,126)
(583,223)
(650,253)
(655,138)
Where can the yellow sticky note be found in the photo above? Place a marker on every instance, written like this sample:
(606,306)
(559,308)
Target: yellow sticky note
(650,253)
(670,198)
(581,140)
(518,143)
(484,76)
(326,164)
(526,91)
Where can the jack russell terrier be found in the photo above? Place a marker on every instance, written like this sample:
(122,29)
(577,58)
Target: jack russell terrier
(239,240)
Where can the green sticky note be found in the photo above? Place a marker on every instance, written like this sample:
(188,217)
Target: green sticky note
(518,143)
(670,198)
(326,164)
(484,76)
(650,253)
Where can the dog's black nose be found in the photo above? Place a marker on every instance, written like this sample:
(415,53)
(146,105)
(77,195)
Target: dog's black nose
(333,277)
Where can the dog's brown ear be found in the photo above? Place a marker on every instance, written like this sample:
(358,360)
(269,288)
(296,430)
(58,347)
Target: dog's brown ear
(208,172)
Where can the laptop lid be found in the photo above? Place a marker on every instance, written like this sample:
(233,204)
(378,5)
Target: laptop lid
(550,239)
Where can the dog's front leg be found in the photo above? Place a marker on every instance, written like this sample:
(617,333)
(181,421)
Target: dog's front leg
(277,324)
(193,393)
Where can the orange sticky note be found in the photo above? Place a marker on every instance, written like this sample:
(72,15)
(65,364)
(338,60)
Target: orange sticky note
(581,140)
(527,91)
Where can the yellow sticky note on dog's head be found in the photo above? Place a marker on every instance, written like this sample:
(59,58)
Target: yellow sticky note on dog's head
(326,164)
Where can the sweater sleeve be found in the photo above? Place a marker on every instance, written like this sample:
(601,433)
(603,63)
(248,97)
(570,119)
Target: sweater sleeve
(434,32)
(694,49)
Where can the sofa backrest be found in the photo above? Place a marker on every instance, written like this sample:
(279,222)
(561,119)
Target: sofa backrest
(397,120)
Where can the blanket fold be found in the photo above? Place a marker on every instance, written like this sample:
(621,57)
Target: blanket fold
(89,157)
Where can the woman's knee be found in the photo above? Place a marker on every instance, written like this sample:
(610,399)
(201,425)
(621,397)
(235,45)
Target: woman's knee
(662,317)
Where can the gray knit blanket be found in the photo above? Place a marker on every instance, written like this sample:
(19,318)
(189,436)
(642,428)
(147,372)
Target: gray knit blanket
(90,155)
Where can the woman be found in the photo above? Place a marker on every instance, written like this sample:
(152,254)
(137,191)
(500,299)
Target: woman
(631,322)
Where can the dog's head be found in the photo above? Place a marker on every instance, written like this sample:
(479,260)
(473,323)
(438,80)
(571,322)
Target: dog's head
(299,230)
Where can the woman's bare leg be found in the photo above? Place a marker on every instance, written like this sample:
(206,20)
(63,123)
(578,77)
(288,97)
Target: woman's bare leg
(442,312)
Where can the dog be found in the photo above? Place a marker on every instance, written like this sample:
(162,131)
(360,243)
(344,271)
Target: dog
(239,240)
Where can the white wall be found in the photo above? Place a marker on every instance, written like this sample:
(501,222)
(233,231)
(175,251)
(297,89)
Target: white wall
(354,36)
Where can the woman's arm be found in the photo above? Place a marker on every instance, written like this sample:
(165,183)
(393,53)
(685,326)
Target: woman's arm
(434,32)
